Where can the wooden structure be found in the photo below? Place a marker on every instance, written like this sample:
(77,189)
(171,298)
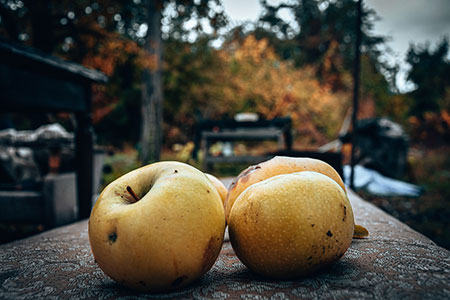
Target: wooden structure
(210,131)
(31,81)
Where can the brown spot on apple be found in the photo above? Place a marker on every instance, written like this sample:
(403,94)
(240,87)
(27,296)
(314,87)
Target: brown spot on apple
(112,237)
(244,176)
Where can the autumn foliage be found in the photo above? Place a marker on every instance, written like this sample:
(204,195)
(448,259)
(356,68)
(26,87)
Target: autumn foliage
(248,76)
(275,69)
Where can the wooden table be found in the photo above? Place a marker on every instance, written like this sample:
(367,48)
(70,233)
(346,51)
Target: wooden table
(395,262)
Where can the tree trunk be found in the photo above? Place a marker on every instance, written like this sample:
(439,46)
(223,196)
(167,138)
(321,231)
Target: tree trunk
(152,98)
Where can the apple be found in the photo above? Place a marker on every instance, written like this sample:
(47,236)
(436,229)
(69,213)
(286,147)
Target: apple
(220,187)
(157,228)
(276,166)
(291,225)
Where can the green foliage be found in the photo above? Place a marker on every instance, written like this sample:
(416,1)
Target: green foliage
(430,72)
(323,34)
(187,71)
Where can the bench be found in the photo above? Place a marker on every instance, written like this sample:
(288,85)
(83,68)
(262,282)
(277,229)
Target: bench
(208,132)
(395,262)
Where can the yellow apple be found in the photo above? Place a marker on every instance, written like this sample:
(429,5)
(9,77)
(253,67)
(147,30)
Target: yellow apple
(291,225)
(220,187)
(276,166)
(157,228)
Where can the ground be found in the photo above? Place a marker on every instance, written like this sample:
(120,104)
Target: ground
(430,213)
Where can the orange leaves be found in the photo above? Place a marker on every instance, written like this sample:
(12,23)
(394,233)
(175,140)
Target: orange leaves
(107,52)
(115,50)
(254,51)
(254,79)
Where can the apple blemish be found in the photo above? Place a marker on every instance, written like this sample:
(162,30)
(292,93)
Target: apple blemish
(135,197)
(112,238)
(345,211)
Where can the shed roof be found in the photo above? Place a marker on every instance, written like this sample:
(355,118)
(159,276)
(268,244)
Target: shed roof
(17,54)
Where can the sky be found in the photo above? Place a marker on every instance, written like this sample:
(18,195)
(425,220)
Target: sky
(404,21)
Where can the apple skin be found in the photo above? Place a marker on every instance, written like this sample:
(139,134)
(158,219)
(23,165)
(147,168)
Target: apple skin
(276,166)
(291,225)
(167,239)
(220,187)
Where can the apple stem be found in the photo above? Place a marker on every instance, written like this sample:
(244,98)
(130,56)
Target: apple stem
(135,198)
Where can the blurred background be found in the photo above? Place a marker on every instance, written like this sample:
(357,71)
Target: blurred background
(174,64)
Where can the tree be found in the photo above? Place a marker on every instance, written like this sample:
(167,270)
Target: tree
(322,34)
(118,38)
(430,71)
(151,103)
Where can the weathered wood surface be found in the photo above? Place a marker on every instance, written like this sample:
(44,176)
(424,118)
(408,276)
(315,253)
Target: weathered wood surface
(395,262)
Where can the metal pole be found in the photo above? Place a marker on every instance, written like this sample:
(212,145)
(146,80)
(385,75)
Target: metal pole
(356,91)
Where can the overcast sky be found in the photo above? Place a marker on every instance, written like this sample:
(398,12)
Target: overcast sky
(405,21)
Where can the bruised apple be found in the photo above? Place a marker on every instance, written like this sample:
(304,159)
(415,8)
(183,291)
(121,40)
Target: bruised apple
(157,228)
(291,225)
(220,187)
